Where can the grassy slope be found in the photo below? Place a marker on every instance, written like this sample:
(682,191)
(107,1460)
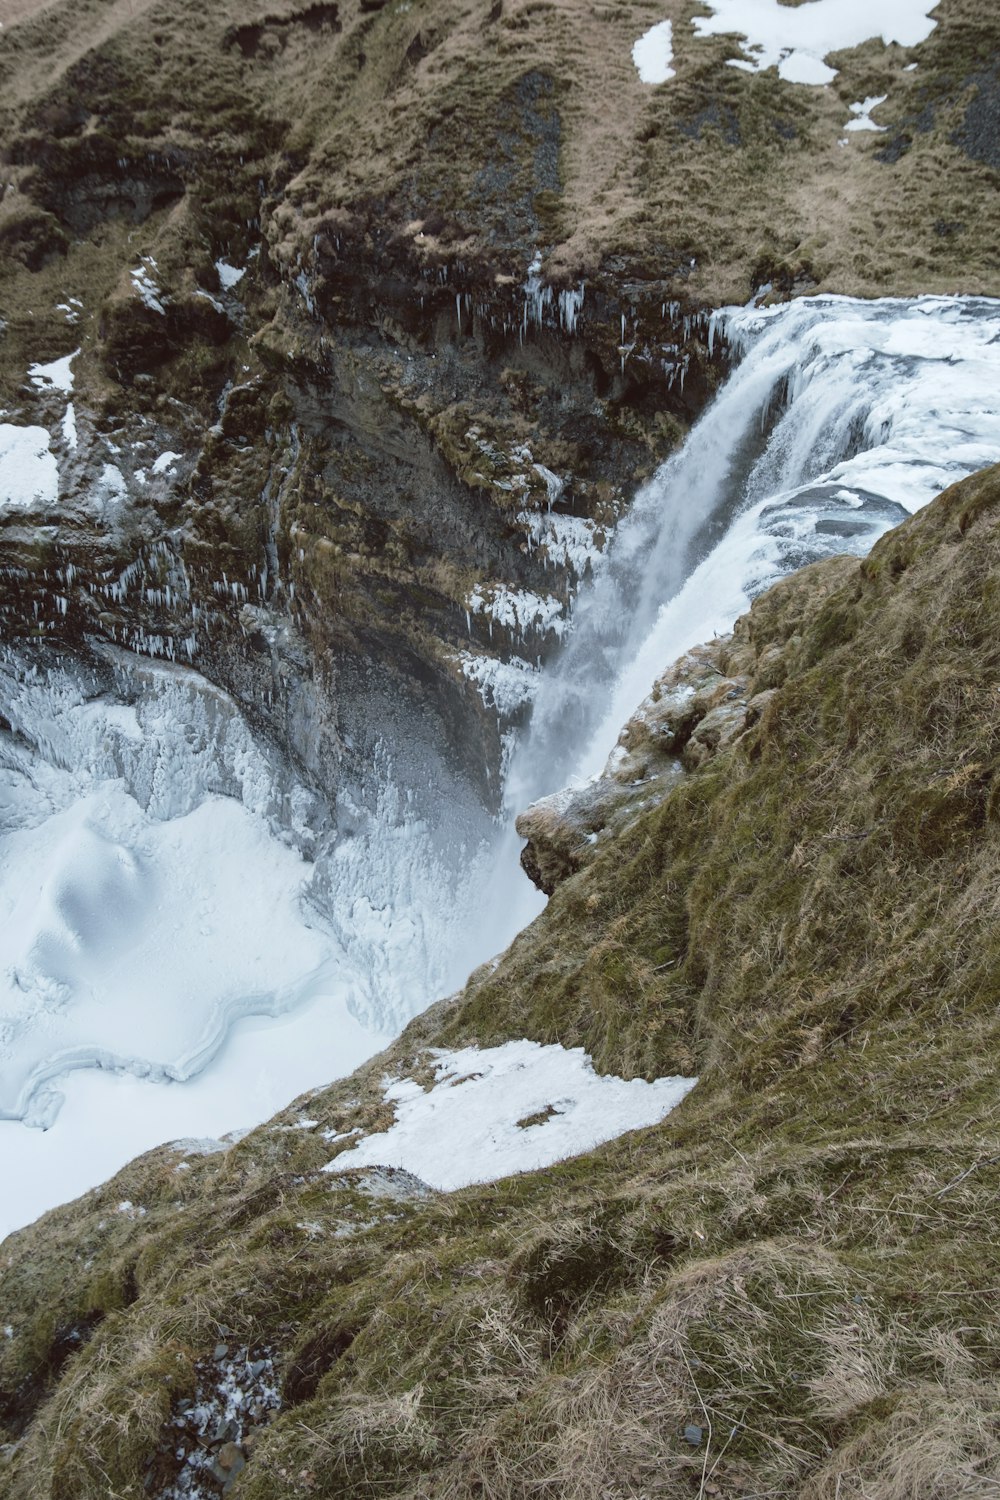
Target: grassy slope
(519,125)
(800,1260)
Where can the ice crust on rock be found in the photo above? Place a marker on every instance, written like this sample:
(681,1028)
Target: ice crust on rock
(493,1111)
(518,611)
(798,39)
(110,487)
(573,542)
(506,686)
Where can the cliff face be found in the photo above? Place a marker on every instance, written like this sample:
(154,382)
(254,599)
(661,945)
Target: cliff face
(785,1285)
(389,281)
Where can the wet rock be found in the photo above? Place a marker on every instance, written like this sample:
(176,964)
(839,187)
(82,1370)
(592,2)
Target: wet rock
(695,710)
(560,830)
(229,1461)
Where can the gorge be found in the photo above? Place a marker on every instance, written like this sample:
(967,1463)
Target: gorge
(432,429)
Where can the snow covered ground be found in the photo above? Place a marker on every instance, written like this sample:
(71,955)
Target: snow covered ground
(798,38)
(493,1111)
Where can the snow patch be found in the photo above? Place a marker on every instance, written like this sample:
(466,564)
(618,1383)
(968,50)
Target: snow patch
(654,52)
(57,376)
(798,39)
(29,475)
(164,462)
(494,1111)
(229,276)
(145,286)
(862,111)
(69,426)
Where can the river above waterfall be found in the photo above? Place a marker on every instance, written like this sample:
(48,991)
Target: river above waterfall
(176,957)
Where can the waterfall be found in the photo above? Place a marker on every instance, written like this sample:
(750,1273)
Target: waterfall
(839,419)
(168,920)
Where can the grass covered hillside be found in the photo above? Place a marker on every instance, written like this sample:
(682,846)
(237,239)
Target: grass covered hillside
(788,1288)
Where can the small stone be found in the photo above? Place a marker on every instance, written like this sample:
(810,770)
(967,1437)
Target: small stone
(693,1434)
(229,1455)
(239,1464)
(221,1350)
(258,1367)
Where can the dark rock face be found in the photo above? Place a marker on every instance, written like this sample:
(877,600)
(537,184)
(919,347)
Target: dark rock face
(363,429)
(979,136)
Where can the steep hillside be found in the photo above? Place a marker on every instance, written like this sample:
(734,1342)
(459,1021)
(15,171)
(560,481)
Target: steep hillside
(789,886)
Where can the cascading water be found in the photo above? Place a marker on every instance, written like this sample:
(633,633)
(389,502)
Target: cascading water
(839,419)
